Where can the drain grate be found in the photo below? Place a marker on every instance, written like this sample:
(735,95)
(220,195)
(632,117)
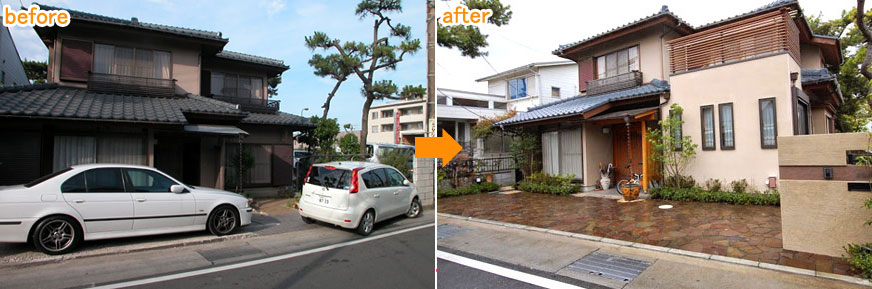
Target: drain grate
(447,230)
(610,266)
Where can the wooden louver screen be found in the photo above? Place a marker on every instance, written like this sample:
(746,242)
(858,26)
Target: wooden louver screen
(766,33)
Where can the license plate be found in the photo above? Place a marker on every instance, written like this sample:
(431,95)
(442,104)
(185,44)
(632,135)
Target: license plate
(324,200)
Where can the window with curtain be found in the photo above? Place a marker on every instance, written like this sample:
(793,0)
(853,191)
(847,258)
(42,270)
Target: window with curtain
(230,84)
(110,59)
(802,118)
(727,134)
(768,128)
(74,150)
(708,127)
(517,88)
(618,62)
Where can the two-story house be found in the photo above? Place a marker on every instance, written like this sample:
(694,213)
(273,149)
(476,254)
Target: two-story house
(534,84)
(741,81)
(125,91)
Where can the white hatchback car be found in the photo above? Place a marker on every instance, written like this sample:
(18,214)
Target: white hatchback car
(356,195)
(102,201)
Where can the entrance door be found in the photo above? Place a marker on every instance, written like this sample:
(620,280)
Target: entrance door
(622,158)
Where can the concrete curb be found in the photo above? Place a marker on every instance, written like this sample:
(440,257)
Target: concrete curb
(58,259)
(673,251)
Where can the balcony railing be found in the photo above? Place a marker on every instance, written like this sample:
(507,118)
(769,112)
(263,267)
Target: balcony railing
(760,35)
(131,85)
(251,104)
(617,82)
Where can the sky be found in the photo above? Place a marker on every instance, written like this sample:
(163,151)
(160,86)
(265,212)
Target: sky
(538,27)
(269,28)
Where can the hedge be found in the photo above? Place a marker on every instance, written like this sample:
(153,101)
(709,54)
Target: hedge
(473,188)
(548,184)
(699,195)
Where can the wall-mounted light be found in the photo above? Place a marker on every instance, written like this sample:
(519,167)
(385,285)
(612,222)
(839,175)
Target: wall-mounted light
(606,130)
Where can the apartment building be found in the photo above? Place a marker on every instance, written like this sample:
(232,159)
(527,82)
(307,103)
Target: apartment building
(742,82)
(397,122)
(125,91)
(534,84)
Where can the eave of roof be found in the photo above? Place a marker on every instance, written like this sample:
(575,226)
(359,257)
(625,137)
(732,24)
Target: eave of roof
(664,14)
(182,31)
(260,60)
(523,68)
(578,105)
(778,4)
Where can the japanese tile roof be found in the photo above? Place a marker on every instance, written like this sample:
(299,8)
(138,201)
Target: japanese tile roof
(53,101)
(581,104)
(525,67)
(811,76)
(251,58)
(197,33)
(768,7)
(663,11)
(279,118)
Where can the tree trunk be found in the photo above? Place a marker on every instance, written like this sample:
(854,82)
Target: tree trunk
(867,35)
(326,105)
(364,122)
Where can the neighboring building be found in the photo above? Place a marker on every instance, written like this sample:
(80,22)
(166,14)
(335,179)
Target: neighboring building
(124,91)
(397,122)
(534,84)
(742,82)
(11,71)
(460,110)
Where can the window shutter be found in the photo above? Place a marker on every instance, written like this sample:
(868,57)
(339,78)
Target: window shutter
(585,73)
(75,59)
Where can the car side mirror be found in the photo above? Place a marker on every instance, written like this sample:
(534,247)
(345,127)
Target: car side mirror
(406,182)
(177,189)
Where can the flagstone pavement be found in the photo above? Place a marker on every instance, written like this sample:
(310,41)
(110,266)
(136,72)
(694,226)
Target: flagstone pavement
(747,232)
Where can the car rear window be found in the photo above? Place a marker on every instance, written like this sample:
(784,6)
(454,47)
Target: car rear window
(331,177)
(46,177)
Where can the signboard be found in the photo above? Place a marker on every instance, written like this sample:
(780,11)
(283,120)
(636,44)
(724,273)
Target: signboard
(397,138)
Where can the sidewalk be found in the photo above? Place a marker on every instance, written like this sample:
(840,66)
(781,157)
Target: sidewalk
(557,252)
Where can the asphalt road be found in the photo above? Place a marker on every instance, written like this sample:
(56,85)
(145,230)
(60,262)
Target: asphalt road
(453,275)
(400,261)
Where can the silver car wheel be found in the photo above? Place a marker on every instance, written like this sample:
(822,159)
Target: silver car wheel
(57,235)
(225,221)
(368,221)
(414,209)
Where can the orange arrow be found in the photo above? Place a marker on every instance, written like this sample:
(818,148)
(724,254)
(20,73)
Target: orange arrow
(444,147)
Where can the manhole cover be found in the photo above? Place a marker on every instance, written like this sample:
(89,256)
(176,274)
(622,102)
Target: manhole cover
(447,230)
(610,266)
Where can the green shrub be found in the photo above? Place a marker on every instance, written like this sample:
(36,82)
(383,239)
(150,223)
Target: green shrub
(467,190)
(860,258)
(771,198)
(685,182)
(713,185)
(548,184)
(740,186)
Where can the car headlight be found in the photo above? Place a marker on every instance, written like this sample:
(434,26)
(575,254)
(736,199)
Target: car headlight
(248,204)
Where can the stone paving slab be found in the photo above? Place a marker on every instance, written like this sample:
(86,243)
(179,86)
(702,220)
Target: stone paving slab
(745,232)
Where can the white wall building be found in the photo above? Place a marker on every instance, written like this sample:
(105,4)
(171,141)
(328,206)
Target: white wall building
(383,124)
(534,84)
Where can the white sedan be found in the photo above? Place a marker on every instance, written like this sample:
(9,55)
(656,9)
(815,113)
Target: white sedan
(101,201)
(356,195)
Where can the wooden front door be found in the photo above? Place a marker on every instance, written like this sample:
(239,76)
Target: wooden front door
(622,158)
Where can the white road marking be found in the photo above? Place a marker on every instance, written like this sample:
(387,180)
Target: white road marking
(256,262)
(505,272)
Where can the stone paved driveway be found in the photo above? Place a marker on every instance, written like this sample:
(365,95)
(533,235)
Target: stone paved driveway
(748,232)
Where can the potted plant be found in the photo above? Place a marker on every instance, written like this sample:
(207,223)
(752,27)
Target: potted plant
(630,191)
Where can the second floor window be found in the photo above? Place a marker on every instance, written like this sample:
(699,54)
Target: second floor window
(374,115)
(618,62)
(117,60)
(231,84)
(387,113)
(517,88)
(412,126)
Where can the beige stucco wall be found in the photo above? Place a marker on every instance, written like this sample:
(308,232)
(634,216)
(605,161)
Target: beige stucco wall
(185,56)
(820,216)
(742,84)
(654,59)
(596,149)
(819,120)
(811,57)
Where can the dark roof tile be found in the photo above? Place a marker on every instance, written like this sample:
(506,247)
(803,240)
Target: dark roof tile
(251,58)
